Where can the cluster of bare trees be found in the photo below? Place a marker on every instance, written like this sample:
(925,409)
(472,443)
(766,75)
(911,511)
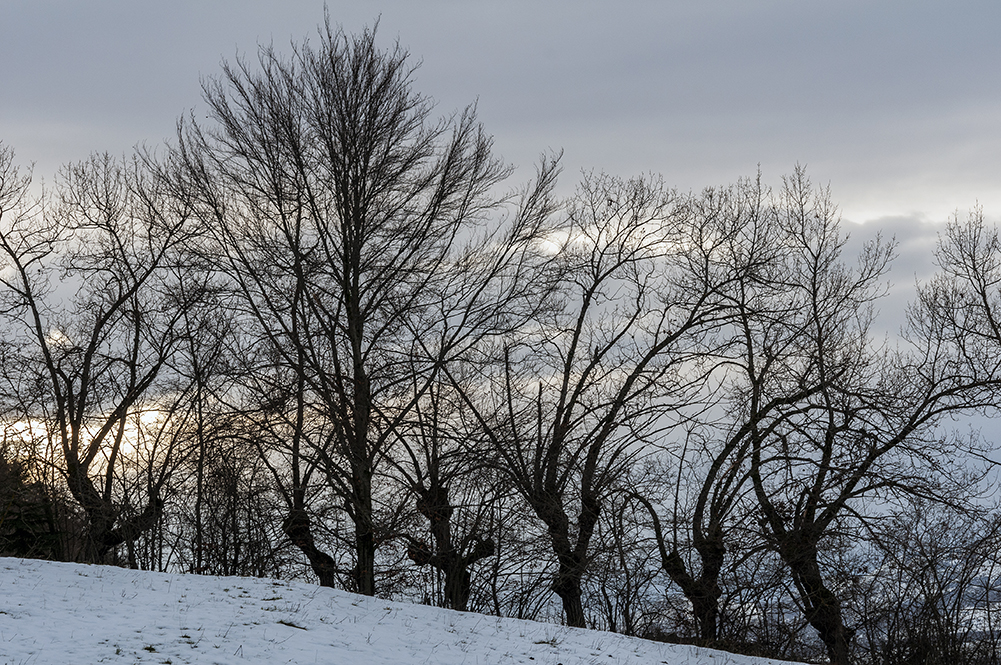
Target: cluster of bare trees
(316,333)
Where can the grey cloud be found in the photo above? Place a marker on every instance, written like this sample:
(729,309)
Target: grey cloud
(896,104)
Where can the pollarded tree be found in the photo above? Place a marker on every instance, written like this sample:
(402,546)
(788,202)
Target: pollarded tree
(711,461)
(862,425)
(351,225)
(85,372)
(571,400)
(446,468)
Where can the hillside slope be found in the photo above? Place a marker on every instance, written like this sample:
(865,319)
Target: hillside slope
(69,613)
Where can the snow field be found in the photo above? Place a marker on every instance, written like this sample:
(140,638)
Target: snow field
(71,614)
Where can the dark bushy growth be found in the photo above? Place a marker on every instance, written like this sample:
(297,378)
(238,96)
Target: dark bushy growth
(35,522)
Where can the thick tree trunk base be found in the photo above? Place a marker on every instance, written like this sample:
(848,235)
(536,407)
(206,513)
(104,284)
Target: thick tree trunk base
(299,530)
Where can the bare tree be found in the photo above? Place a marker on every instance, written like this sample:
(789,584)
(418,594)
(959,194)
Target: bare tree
(445,468)
(960,307)
(858,422)
(86,371)
(571,400)
(712,458)
(347,219)
(930,587)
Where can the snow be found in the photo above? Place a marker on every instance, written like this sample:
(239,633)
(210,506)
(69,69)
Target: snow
(78,614)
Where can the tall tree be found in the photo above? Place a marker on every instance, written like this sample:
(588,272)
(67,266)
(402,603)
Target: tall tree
(349,222)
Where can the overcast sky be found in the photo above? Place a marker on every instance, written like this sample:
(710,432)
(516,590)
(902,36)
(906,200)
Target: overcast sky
(895,104)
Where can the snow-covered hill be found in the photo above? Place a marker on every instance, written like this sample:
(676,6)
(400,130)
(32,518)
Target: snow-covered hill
(73,614)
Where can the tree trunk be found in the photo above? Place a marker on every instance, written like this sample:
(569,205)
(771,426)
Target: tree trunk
(98,519)
(361,512)
(364,572)
(434,505)
(702,592)
(299,530)
(568,587)
(822,607)
(102,534)
(705,603)
(572,559)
